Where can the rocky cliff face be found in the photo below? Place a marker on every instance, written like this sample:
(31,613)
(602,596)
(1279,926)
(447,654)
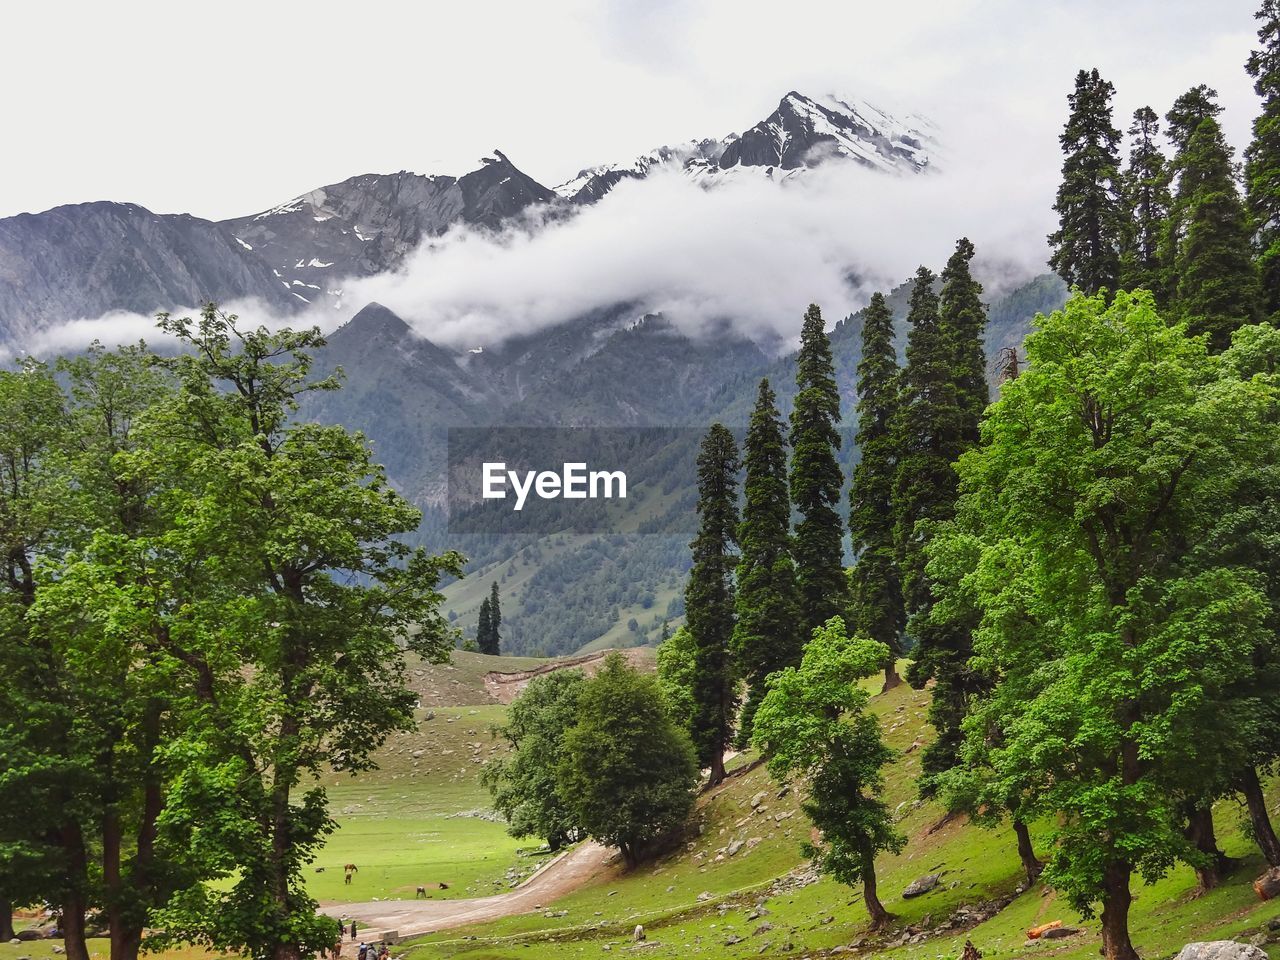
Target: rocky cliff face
(368,224)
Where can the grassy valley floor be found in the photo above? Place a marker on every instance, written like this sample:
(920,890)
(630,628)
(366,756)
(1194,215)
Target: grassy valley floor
(737,887)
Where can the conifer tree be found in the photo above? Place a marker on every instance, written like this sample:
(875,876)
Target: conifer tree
(877,587)
(944,632)
(928,435)
(495,621)
(1086,245)
(1188,111)
(963,319)
(484,626)
(1198,104)
(1262,156)
(816,479)
(767,636)
(1147,200)
(709,599)
(1216,285)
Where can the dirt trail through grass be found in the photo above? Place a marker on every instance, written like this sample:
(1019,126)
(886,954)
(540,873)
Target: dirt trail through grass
(406,918)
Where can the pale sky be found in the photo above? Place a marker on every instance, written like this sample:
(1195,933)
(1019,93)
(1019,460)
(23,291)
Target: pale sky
(229,108)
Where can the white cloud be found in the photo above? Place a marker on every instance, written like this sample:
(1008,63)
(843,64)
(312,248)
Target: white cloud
(749,251)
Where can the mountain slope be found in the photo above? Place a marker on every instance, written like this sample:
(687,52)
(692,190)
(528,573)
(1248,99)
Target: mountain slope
(85,259)
(369,224)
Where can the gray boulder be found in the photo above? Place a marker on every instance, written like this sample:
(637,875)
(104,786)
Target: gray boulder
(1220,950)
(921,886)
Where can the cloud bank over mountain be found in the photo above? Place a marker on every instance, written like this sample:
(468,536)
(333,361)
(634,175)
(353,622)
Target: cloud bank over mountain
(749,252)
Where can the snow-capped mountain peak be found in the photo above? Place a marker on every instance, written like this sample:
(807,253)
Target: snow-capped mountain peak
(801,133)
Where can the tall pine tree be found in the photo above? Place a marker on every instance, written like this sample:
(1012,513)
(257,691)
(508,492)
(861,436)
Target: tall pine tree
(1086,245)
(944,632)
(1262,156)
(816,479)
(767,636)
(709,599)
(931,432)
(484,626)
(1188,111)
(1147,200)
(1198,104)
(963,320)
(877,587)
(1215,279)
(495,621)
(927,433)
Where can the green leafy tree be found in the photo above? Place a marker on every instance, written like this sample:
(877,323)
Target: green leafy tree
(299,658)
(523,783)
(765,637)
(816,479)
(814,727)
(1147,201)
(628,773)
(1245,532)
(1105,462)
(1086,245)
(677,669)
(709,599)
(1262,156)
(1214,277)
(878,610)
(42,843)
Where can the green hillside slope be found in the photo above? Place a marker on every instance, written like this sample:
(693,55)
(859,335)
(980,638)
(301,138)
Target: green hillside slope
(761,899)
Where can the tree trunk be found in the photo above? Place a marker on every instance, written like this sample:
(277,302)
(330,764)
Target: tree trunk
(1200,832)
(879,915)
(717,774)
(126,925)
(1263,832)
(6,921)
(74,904)
(73,910)
(891,677)
(1027,852)
(112,880)
(1116,900)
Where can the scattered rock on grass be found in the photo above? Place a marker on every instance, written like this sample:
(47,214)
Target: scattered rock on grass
(921,886)
(1220,950)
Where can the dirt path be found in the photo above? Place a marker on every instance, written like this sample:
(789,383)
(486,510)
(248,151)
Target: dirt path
(407,918)
(505,687)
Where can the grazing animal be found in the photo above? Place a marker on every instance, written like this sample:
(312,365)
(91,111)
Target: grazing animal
(422,892)
(319,869)
(444,886)
(348,869)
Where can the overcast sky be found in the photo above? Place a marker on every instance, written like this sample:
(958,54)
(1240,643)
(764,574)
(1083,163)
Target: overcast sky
(229,108)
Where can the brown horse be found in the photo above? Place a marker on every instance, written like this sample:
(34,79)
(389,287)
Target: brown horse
(348,869)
